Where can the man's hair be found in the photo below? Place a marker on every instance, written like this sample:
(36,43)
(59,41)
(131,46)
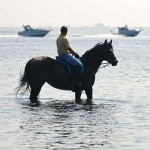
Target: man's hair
(63,29)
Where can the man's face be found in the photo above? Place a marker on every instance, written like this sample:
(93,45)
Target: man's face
(66,32)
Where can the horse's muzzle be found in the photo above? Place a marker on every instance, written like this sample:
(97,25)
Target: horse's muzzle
(115,63)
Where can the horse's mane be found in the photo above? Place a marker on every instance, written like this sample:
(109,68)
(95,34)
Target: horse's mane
(90,52)
(92,56)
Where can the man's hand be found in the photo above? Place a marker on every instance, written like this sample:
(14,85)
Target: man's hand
(73,52)
(76,55)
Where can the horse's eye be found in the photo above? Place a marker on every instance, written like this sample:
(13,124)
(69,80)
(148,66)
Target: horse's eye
(111,50)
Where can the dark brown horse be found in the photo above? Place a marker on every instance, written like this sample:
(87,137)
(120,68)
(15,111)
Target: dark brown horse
(39,70)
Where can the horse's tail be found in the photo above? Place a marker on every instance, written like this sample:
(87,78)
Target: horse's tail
(24,86)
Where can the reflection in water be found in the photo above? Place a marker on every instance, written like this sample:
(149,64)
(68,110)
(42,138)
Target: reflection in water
(66,125)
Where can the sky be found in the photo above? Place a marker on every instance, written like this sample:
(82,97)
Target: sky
(74,12)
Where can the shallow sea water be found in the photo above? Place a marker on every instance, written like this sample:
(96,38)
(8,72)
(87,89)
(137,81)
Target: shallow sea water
(118,119)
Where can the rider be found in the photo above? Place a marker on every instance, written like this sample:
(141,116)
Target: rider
(64,51)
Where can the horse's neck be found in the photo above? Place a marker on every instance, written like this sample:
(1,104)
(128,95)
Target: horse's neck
(93,59)
(94,65)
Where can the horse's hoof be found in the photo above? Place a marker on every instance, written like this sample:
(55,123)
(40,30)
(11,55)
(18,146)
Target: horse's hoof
(78,101)
(34,104)
(89,102)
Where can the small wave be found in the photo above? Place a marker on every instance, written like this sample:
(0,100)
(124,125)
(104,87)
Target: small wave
(102,36)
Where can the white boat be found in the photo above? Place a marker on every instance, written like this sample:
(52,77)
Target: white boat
(125,31)
(30,32)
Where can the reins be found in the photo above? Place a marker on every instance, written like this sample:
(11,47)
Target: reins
(104,65)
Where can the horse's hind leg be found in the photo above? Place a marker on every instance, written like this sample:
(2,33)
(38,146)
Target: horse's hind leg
(35,90)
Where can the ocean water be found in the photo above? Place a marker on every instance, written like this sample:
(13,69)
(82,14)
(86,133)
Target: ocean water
(119,119)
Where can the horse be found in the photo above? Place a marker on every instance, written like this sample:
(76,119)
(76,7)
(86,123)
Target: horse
(43,69)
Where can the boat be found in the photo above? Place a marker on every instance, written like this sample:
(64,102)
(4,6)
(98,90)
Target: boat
(30,32)
(125,31)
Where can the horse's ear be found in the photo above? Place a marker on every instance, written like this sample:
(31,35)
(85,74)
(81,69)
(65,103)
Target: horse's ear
(110,41)
(105,42)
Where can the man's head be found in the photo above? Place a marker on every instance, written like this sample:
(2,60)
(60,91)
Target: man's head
(64,30)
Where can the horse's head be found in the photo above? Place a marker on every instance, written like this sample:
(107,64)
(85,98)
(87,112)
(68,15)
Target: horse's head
(100,52)
(108,53)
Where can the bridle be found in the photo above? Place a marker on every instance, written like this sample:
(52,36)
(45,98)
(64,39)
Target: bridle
(104,65)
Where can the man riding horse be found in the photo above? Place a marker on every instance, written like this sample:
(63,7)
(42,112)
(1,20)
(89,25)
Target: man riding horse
(39,70)
(64,53)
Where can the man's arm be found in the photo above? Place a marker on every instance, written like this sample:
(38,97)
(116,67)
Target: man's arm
(73,52)
(70,49)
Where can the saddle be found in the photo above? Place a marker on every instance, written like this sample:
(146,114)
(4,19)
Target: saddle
(68,66)
(74,72)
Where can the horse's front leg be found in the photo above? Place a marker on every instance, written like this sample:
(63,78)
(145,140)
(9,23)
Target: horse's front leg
(89,94)
(78,93)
